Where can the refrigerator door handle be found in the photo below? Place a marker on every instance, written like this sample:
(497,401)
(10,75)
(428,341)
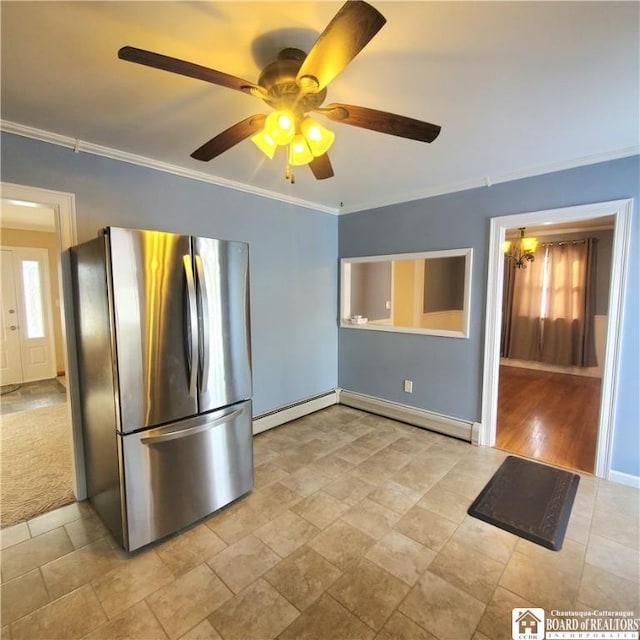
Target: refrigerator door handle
(184,433)
(192,329)
(203,318)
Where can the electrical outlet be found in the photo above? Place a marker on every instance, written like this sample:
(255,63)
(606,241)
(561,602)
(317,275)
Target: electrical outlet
(387,304)
(408,386)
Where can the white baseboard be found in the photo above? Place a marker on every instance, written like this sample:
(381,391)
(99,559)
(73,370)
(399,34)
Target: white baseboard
(404,413)
(587,372)
(293,411)
(624,478)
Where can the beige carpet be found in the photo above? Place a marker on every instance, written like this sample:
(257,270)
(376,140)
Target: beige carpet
(35,463)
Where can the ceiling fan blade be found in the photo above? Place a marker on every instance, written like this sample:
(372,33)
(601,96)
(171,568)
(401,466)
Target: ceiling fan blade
(381,121)
(321,167)
(230,137)
(189,69)
(343,38)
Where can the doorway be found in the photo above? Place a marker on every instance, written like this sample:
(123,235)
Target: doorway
(62,208)
(553,340)
(621,212)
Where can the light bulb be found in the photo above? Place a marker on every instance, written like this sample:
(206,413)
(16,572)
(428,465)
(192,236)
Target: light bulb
(318,137)
(265,143)
(281,126)
(299,152)
(284,122)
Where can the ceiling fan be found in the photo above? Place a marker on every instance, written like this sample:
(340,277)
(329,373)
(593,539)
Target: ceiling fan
(294,85)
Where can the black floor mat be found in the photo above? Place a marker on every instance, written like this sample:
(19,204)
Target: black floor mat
(529,499)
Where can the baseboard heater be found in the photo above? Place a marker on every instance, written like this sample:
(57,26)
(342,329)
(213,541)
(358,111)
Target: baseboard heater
(293,411)
(418,417)
(446,425)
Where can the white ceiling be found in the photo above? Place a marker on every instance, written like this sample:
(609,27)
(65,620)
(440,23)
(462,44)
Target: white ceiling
(519,88)
(15,214)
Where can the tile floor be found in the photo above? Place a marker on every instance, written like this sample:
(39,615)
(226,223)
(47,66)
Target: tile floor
(32,395)
(357,528)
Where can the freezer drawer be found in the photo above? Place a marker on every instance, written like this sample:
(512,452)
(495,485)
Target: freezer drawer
(176,474)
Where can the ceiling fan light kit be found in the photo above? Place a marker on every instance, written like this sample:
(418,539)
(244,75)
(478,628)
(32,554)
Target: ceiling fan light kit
(295,85)
(306,139)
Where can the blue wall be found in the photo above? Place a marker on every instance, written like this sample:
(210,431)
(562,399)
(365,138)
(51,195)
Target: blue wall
(294,273)
(292,252)
(446,372)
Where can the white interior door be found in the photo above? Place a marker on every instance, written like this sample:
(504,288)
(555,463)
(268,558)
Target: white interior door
(34,326)
(10,357)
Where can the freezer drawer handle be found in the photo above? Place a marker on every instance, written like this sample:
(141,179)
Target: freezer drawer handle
(192,329)
(184,433)
(203,316)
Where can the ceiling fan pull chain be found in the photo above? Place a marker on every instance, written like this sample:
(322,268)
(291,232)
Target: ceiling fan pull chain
(288,174)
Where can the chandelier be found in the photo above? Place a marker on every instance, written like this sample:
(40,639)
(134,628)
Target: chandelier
(520,251)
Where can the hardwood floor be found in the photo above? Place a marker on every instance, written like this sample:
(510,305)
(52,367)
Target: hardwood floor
(550,417)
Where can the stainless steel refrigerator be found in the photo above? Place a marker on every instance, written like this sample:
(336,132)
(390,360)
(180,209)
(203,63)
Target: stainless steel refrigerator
(163,341)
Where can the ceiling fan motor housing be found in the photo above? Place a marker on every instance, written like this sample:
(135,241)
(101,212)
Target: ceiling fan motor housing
(279,80)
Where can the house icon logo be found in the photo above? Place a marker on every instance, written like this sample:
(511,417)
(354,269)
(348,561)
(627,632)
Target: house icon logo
(527,624)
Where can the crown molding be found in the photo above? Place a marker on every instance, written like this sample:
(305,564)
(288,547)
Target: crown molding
(488,181)
(123,156)
(484,181)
